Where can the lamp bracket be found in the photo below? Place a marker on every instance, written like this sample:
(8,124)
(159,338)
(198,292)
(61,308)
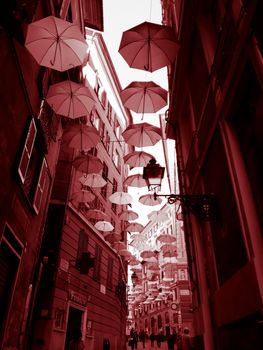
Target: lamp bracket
(202,205)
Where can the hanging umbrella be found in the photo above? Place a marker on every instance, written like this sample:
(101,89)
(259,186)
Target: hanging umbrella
(56,43)
(148,254)
(137,159)
(70,99)
(135,181)
(92,180)
(125,253)
(119,245)
(164,238)
(148,199)
(112,237)
(142,135)
(81,137)
(103,226)
(144,97)
(128,215)
(134,262)
(83,196)
(87,164)
(168,247)
(170,254)
(96,214)
(158,216)
(134,227)
(149,46)
(121,198)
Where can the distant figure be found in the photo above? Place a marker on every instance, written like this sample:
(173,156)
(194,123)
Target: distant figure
(185,341)
(136,338)
(131,342)
(159,339)
(152,338)
(171,340)
(76,343)
(142,337)
(106,344)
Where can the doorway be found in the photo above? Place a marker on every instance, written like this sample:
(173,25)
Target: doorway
(74,322)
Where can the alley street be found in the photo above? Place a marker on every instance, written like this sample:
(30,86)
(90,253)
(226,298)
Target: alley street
(149,347)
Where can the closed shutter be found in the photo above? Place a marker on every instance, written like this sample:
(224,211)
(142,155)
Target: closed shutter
(27,151)
(93,14)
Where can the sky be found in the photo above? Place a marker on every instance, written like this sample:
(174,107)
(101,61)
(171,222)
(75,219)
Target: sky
(119,16)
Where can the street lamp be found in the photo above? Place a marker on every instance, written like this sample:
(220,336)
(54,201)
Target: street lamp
(202,205)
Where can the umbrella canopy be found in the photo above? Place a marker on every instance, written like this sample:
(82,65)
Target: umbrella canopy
(112,237)
(92,180)
(134,227)
(137,159)
(81,137)
(164,238)
(148,254)
(127,215)
(148,199)
(168,247)
(87,164)
(56,44)
(158,216)
(149,46)
(119,245)
(70,99)
(134,262)
(144,97)
(121,198)
(125,253)
(135,181)
(142,135)
(170,254)
(96,214)
(83,196)
(103,226)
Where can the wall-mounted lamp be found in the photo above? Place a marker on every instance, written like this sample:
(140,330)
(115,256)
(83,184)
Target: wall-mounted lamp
(203,206)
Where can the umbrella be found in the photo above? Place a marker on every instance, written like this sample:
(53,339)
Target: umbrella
(128,215)
(134,227)
(144,97)
(134,262)
(81,136)
(87,164)
(137,159)
(158,216)
(135,181)
(125,253)
(142,135)
(148,199)
(168,247)
(92,180)
(56,43)
(164,238)
(170,254)
(120,198)
(96,214)
(83,196)
(103,226)
(148,254)
(112,237)
(70,99)
(119,245)
(149,46)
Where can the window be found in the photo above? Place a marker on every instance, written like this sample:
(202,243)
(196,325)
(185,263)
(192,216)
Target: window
(32,168)
(96,270)
(82,243)
(95,120)
(93,14)
(110,272)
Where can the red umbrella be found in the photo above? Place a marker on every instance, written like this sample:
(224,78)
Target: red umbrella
(104,226)
(96,214)
(144,97)
(127,215)
(56,43)
(88,164)
(137,159)
(134,227)
(92,180)
(165,238)
(81,136)
(112,237)
(148,199)
(135,181)
(149,46)
(70,99)
(121,198)
(83,196)
(142,135)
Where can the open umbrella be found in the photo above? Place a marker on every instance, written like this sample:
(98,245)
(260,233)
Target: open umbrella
(144,97)
(112,237)
(87,164)
(135,181)
(168,247)
(142,135)
(134,227)
(158,216)
(148,199)
(137,159)
(70,99)
(81,137)
(96,214)
(149,46)
(92,180)
(83,196)
(56,43)
(148,254)
(165,238)
(120,198)
(103,226)
(119,245)
(127,215)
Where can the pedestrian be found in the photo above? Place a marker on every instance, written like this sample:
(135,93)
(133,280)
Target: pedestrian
(185,342)
(142,337)
(131,339)
(76,342)
(159,339)
(152,338)
(171,340)
(135,338)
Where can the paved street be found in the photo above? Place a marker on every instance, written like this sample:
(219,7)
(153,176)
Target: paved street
(148,346)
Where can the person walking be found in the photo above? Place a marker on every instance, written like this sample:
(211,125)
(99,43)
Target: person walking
(136,338)
(185,341)
(142,337)
(171,340)
(76,342)
(131,340)
(152,338)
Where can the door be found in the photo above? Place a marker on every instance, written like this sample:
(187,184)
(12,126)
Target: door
(74,322)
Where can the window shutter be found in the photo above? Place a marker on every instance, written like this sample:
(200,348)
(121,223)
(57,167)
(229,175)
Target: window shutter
(27,151)
(93,14)
(82,243)
(40,186)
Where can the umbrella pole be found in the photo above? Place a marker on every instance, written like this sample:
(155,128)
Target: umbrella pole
(143,103)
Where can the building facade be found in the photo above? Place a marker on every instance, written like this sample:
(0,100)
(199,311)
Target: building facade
(215,116)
